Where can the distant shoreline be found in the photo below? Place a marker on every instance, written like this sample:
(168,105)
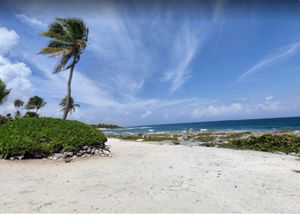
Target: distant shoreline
(253,125)
(214,121)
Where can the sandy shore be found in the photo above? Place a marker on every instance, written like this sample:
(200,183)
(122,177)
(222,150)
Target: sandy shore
(144,177)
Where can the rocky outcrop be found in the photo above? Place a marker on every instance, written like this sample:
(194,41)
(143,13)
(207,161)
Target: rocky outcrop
(86,151)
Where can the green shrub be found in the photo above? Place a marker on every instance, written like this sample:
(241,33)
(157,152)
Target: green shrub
(44,136)
(207,144)
(129,137)
(3,119)
(204,137)
(286,143)
(157,138)
(31,114)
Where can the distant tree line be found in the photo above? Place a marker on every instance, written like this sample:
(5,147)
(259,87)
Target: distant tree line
(106,126)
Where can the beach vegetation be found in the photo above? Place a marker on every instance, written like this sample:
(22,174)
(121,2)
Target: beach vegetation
(159,138)
(175,142)
(31,114)
(207,144)
(4,92)
(106,126)
(72,105)
(18,104)
(35,103)
(41,137)
(173,138)
(286,143)
(3,119)
(204,137)
(129,137)
(68,40)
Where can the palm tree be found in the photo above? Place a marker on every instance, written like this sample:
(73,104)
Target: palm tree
(68,40)
(72,107)
(36,103)
(18,104)
(4,92)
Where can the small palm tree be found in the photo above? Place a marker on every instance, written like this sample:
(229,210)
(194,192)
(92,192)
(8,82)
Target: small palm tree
(4,92)
(72,107)
(18,104)
(36,103)
(68,40)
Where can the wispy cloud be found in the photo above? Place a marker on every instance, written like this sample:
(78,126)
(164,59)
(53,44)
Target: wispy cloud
(185,49)
(275,57)
(31,21)
(268,106)
(187,45)
(146,114)
(219,10)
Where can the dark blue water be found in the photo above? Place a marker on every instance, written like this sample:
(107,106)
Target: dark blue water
(273,124)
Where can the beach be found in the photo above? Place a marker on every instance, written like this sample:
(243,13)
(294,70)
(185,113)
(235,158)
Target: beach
(143,177)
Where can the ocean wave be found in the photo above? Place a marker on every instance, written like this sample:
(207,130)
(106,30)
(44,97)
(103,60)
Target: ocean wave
(143,127)
(135,128)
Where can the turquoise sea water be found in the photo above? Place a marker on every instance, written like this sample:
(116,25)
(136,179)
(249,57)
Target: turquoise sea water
(273,124)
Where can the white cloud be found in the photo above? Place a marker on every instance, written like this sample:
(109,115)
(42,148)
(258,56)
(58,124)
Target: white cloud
(146,114)
(16,75)
(269,98)
(211,110)
(31,21)
(245,110)
(8,38)
(275,57)
(166,115)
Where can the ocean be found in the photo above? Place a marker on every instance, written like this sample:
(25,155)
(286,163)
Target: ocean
(270,124)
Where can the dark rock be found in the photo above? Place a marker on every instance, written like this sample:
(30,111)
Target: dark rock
(68,160)
(57,156)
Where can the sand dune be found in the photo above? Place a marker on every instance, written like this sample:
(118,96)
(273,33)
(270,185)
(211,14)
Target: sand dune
(144,177)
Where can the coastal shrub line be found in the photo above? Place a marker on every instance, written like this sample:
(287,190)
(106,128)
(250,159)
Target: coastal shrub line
(41,137)
(286,143)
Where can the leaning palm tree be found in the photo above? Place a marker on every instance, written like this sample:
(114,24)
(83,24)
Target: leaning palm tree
(35,103)
(18,104)
(4,92)
(72,107)
(68,40)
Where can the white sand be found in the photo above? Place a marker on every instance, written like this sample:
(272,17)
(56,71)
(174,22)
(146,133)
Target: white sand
(154,178)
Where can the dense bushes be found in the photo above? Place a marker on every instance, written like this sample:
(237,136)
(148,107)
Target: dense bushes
(31,114)
(44,136)
(3,119)
(287,143)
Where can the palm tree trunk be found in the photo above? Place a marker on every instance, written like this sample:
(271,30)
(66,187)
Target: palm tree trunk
(69,90)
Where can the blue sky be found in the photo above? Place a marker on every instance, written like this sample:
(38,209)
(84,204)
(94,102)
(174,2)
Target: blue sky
(149,62)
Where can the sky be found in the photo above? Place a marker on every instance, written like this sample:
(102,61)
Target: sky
(159,62)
